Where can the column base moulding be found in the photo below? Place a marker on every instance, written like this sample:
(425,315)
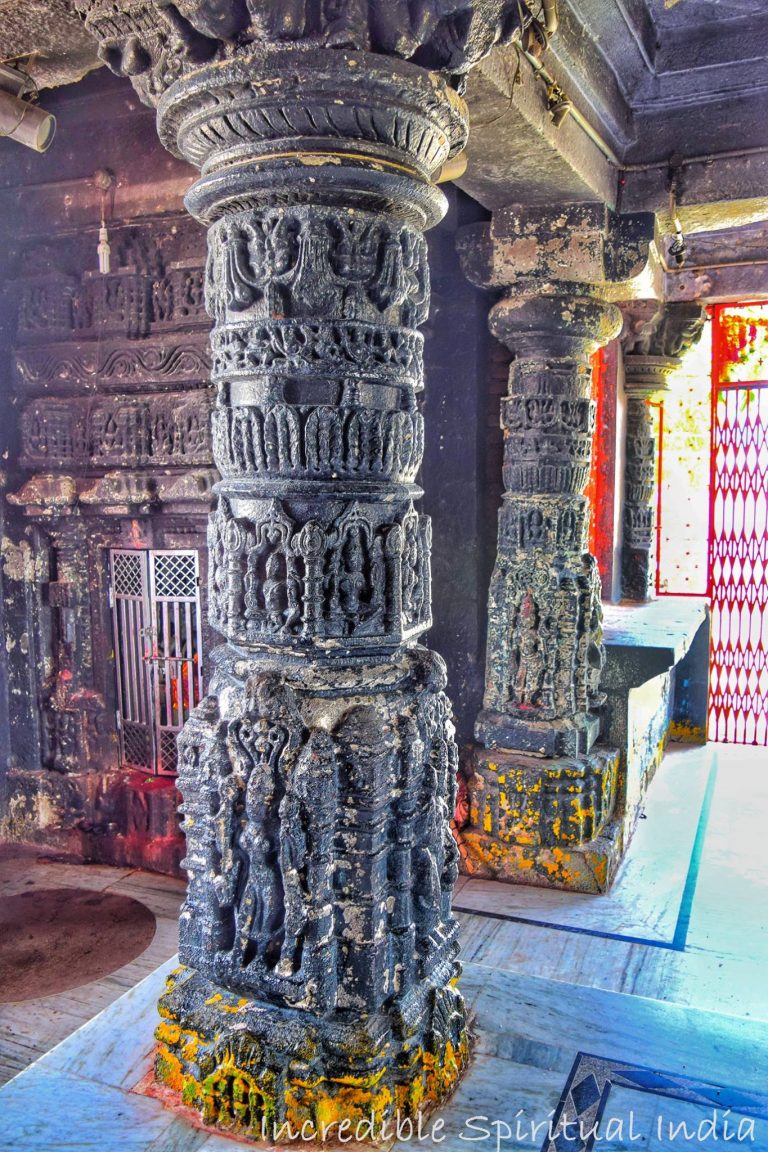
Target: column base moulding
(249,1067)
(550,823)
(571,736)
(319,948)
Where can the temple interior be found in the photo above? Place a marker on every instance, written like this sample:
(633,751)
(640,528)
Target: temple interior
(383,574)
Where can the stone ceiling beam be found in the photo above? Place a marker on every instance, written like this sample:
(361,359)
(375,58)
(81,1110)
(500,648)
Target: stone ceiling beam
(728,264)
(516,154)
(714,193)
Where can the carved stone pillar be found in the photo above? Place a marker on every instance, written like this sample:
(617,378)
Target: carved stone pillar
(654,338)
(319,954)
(543,793)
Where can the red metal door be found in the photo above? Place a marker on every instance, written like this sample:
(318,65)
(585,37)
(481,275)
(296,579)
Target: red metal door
(738,569)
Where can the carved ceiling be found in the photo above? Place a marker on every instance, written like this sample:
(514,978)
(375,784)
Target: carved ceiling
(660,79)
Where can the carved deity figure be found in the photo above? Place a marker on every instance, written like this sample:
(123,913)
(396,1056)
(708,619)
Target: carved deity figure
(529,656)
(445,759)
(227,830)
(413,591)
(264,745)
(162,298)
(378,585)
(425,867)
(353,261)
(352,580)
(258,912)
(274,591)
(295,852)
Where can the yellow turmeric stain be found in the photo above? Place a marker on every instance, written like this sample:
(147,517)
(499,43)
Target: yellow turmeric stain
(168,1069)
(167,1032)
(600,869)
(687,733)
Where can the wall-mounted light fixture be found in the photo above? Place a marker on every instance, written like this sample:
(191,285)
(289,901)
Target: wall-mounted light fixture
(19,119)
(105,182)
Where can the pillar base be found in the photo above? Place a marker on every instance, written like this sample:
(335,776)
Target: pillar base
(573,737)
(544,822)
(250,1067)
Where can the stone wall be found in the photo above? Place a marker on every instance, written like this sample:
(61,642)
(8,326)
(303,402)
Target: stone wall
(107,445)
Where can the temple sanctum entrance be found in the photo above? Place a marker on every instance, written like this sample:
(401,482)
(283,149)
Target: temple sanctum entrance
(155,598)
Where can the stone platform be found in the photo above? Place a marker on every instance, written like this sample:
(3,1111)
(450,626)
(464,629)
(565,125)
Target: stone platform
(544,1052)
(567,823)
(655,681)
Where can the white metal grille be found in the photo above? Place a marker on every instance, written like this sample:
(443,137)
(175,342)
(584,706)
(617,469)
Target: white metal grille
(175,575)
(128,573)
(158,652)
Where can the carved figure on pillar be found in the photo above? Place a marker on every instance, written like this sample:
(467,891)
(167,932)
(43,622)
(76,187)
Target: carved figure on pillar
(654,338)
(319,954)
(542,792)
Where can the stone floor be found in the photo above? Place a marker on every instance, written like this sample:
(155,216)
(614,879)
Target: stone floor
(647,1007)
(29,1028)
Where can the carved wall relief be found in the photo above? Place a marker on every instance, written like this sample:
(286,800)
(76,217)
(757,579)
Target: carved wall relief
(170,429)
(126,302)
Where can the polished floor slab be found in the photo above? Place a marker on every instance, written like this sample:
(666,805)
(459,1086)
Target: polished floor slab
(686,920)
(649,893)
(545,1052)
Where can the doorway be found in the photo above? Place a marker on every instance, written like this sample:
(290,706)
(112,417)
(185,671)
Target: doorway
(713,510)
(156,610)
(738,536)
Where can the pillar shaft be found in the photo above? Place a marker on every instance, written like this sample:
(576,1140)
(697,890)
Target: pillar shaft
(638,553)
(654,339)
(544,638)
(318,775)
(318,950)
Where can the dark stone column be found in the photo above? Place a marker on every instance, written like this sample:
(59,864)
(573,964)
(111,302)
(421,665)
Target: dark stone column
(654,339)
(317,944)
(543,793)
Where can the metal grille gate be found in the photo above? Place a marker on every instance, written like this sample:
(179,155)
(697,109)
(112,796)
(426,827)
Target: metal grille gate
(158,652)
(738,697)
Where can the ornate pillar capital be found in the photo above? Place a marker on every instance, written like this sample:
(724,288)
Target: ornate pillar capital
(562,321)
(155,42)
(558,269)
(654,338)
(577,244)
